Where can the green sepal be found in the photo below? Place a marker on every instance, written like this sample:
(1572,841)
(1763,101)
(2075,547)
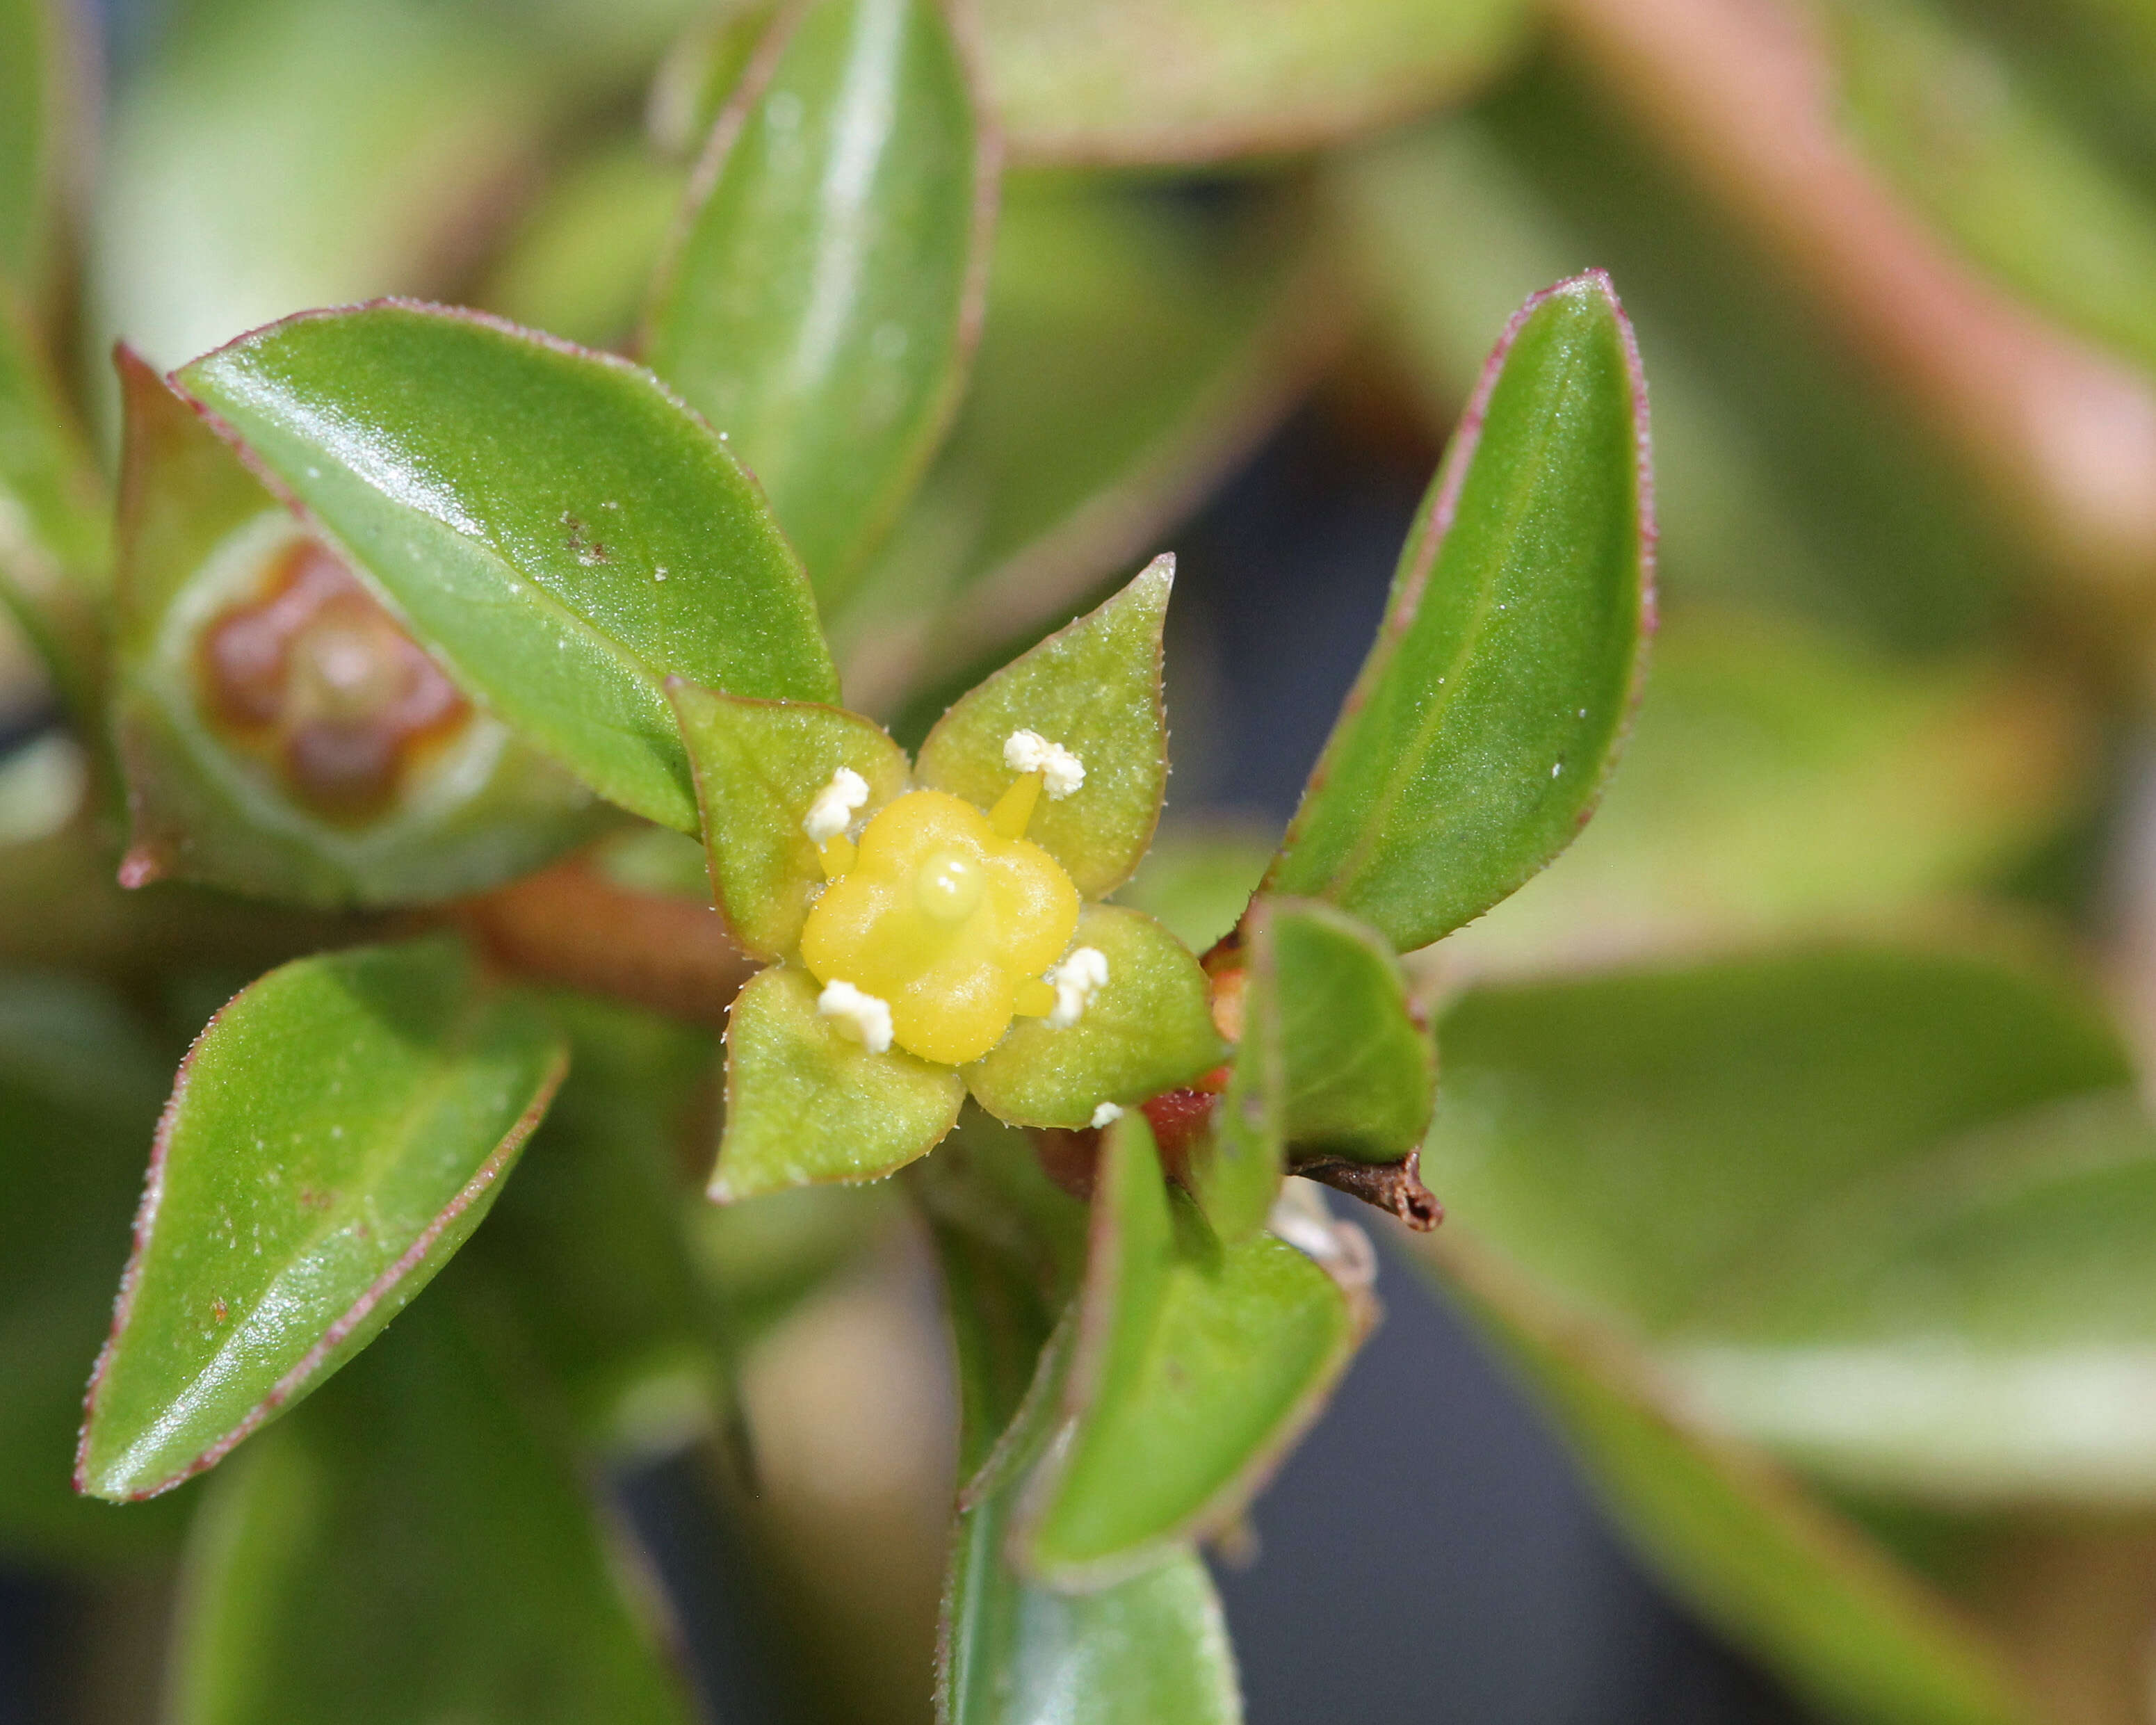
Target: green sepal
(1198,1364)
(419,1543)
(553,524)
(823,293)
(1480,731)
(806,1104)
(335,1134)
(197,534)
(1148,1030)
(758,765)
(1094,687)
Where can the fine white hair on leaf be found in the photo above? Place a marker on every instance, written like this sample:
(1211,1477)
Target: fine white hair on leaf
(1062,772)
(1076,980)
(860,1016)
(1107,1114)
(827,816)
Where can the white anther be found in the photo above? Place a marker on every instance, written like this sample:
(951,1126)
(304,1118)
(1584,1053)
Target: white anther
(828,815)
(860,1016)
(1107,1114)
(1076,980)
(1060,771)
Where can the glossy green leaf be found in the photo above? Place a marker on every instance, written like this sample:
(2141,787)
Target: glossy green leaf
(1771,1567)
(79,1087)
(199,536)
(823,292)
(1197,80)
(1487,715)
(805,1103)
(1094,687)
(53,537)
(1130,354)
(1012,1650)
(1196,1365)
(590,1239)
(553,524)
(336,1133)
(1947,117)
(416,1544)
(1148,1030)
(759,765)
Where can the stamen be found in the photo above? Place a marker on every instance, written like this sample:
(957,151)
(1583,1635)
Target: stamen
(1013,809)
(1107,1114)
(1076,980)
(1029,752)
(1034,999)
(833,810)
(862,1017)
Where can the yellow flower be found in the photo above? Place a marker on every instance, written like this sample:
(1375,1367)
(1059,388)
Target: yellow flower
(946,916)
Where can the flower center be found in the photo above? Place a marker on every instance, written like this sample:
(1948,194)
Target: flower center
(948,921)
(949,885)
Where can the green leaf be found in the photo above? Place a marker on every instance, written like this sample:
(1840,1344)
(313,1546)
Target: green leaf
(1952,123)
(1128,357)
(824,292)
(415,1544)
(1771,1567)
(1638,1141)
(553,523)
(1197,1365)
(590,1239)
(759,764)
(1197,80)
(1148,1030)
(336,1133)
(805,1103)
(79,1087)
(1359,1074)
(1971,1326)
(1152,1647)
(53,536)
(469,805)
(1478,736)
(1094,687)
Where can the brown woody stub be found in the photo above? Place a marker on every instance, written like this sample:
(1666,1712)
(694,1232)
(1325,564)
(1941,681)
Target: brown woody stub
(317,679)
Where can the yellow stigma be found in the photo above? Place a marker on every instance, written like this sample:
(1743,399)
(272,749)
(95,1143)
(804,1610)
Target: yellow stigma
(949,920)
